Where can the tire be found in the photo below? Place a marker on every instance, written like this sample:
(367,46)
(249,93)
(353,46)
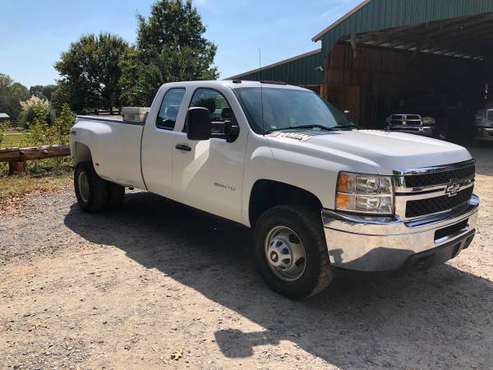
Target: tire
(91,190)
(306,224)
(116,193)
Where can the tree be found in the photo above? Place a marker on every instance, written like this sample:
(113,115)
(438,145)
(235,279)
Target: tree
(11,94)
(130,80)
(90,72)
(5,98)
(61,96)
(170,47)
(41,91)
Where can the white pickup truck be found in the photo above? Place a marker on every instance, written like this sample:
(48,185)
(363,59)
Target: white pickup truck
(321,196)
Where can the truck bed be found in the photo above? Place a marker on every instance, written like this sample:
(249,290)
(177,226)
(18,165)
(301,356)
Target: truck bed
(115,147)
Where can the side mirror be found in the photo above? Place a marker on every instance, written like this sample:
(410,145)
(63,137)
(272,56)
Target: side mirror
(231,131)
(199,125)
(347,113)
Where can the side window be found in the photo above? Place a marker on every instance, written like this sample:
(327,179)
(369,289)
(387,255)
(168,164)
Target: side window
(219,109)
(170,107)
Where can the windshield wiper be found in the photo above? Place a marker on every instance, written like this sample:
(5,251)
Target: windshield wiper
(349,125)
(301,127)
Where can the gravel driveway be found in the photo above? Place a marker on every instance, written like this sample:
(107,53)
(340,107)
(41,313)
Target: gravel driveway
(157,285)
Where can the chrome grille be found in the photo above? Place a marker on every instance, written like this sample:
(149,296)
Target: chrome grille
(438,178)
(428,191)
(417,208)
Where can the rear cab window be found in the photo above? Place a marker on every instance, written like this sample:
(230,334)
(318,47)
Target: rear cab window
(170,107)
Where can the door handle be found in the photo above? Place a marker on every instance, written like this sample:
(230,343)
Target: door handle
(183,148)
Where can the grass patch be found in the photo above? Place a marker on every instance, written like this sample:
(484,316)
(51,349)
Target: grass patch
(18,186)
(13,139)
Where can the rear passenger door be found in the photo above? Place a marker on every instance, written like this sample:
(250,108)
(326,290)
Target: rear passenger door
(158,141)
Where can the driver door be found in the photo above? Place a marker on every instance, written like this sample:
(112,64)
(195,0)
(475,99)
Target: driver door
(208,174)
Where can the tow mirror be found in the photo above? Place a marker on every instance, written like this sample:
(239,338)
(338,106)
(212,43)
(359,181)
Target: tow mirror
(199,125)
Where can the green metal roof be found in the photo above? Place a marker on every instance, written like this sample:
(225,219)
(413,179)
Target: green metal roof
(303,69)
(373,15)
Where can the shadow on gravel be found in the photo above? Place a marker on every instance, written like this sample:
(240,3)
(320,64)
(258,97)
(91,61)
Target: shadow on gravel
(439,318)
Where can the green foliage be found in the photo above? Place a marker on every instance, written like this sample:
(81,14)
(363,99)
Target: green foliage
(59,132)
(170,47)
(41,133)
(43,92)
(11,94)
(38,133)
(29,107)
(3,129)
(61,96)
(91,72)
(130,81)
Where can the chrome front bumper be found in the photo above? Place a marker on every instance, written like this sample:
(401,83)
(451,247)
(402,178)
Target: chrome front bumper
(370,244)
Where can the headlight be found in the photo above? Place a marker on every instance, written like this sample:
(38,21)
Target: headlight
(428,121)
(370,194)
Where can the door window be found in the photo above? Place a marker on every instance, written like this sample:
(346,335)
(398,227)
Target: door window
(169,109)
(219,109)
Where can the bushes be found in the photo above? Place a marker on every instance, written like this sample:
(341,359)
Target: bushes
(43,133)
(59,132)
(33,108)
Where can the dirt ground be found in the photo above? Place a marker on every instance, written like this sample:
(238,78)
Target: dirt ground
(158,285)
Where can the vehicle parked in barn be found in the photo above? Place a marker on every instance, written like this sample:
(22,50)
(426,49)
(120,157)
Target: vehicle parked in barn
(411,124)
(484,125)
(433,115)
(320,196)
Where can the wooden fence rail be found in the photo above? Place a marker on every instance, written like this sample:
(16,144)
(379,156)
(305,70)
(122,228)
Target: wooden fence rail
(17,157)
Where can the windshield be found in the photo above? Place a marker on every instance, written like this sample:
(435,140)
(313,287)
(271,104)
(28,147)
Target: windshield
(285,109)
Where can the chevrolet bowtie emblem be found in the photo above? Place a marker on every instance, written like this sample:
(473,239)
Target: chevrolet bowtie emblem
(452,188)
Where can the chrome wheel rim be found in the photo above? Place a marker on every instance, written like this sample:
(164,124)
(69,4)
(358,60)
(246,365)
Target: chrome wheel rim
(83,182)
(285,253)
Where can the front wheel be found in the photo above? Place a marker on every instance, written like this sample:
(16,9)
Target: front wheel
(291,251)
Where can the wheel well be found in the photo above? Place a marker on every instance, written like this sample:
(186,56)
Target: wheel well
(82,153)
(267,194)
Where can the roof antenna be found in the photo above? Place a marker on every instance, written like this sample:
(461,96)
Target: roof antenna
(261,89)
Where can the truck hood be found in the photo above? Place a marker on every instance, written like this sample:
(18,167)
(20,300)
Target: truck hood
(380,151)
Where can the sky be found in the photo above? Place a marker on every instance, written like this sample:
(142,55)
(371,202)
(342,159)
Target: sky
(34,33)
